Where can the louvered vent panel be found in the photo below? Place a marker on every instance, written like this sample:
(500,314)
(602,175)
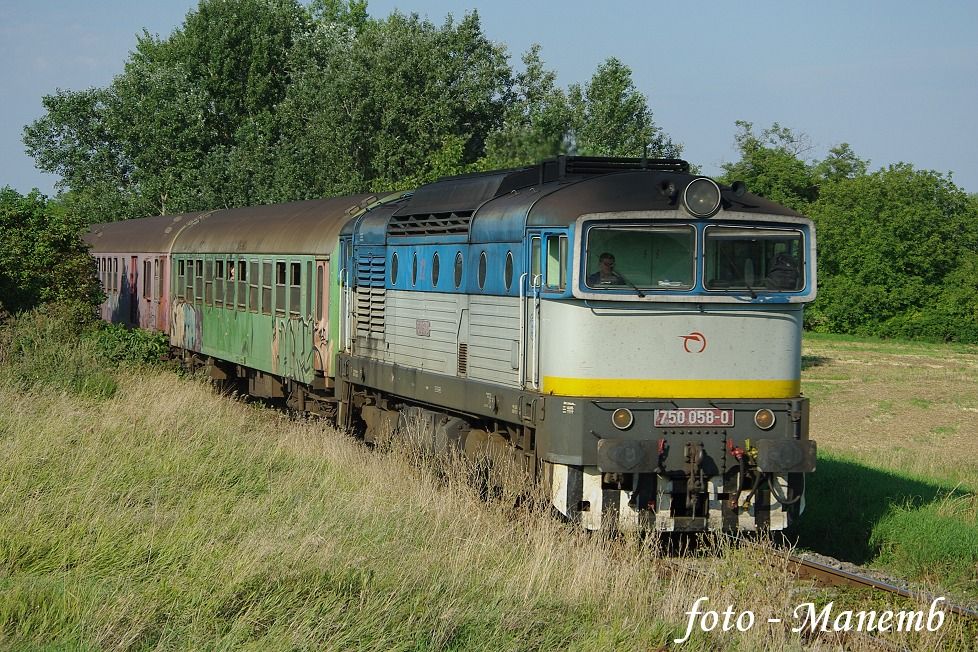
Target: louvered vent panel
(371,296)
(434,224)
(463,359)
(599,165)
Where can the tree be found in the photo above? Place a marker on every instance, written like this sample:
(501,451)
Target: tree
(75,140)
(771,165)
(390,104)
(41,256)
(610,117)
(896,248)
(537,121)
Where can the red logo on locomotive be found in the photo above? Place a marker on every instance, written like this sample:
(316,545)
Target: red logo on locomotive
(695,342)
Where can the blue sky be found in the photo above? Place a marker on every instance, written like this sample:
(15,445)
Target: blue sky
(897,80)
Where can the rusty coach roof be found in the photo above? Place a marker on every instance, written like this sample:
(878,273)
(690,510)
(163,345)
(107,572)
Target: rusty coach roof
(145,235)
(307,227)
(304,227)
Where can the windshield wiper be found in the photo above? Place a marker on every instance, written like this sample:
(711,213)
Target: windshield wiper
(631,285)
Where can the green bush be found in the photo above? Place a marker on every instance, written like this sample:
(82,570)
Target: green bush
(59,346)
(117,344)
(45,349)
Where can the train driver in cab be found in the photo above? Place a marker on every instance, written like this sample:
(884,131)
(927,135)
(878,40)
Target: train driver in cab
(606,274)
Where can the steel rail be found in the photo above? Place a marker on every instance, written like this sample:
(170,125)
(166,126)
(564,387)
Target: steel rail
(826,574)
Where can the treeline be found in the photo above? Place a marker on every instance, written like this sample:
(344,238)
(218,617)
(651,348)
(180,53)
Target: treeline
(262,101)
(897,248)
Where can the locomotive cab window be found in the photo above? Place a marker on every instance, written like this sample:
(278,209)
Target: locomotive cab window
(535,249)
(556,262)
(754,259)
(659,258)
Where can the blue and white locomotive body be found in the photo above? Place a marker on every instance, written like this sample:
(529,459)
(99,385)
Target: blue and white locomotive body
(624,332)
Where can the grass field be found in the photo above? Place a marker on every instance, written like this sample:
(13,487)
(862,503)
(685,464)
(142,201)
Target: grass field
(140,510)
(897,429)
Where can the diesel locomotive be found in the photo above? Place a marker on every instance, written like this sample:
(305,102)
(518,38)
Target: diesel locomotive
(625,333)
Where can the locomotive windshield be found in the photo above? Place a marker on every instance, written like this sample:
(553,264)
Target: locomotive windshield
(753,259)
(659,258)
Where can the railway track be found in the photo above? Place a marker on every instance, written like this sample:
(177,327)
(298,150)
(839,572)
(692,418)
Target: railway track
(828,575)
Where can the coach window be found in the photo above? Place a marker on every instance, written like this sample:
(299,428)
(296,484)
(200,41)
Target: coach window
(394,268)
(190,280)
(508,271)
(556,262)
(219,283)
(295,288)
(266,287)
(483,268)
(414,270)
(242,283)
(458,269)
(147,280)
(229,285)
(253,286)
(209,282)
(280,288)
(199,281)
(434,269)
(181,271)
(157,279)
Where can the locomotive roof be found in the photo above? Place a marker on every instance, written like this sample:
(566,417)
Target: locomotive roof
(498,206)
(485,207)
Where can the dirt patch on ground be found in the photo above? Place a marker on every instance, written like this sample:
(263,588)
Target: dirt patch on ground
(909,407)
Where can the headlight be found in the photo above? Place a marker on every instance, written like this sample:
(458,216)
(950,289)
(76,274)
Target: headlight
(764,419)
(702,197)
(622,418)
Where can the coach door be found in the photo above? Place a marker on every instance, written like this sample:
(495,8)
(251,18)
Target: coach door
(323,359)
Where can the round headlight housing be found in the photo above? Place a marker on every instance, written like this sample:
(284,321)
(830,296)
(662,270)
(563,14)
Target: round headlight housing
(622,418)
(701,198)
(764,419)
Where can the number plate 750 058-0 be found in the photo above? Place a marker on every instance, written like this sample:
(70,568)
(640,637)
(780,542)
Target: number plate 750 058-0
(709,417)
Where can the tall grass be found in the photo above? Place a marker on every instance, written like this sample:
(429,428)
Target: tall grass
(164,516)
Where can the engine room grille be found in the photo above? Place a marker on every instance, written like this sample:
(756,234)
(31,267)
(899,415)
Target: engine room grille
(371,296)
(432,224)
(463,359)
